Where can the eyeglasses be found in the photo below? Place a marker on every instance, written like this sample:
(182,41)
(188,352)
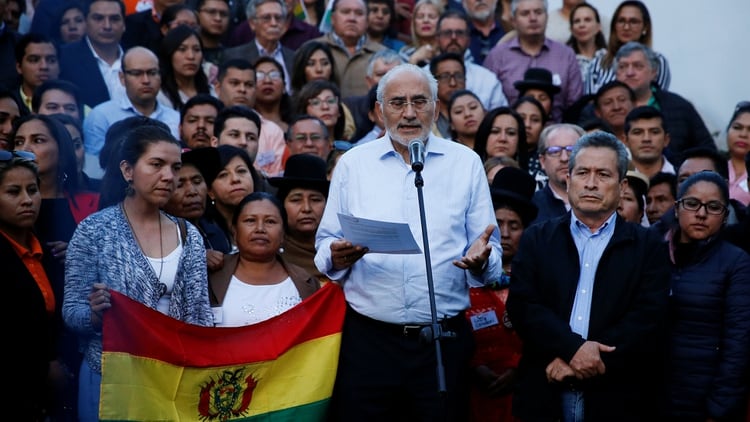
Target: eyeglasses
(273,75)
(138,73)
(23,155)
(269,18)
(419,104)
(694,205)
(313,137)
(446,77)
(317,102)
(342,145)
(557,151)
(215,12)
(450,33)
(631,22)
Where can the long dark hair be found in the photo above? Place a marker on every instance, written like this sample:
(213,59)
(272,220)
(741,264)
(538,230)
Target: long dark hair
(226,154)
(114,188)
(599,40)
(67,169)
(311,90)
(285,104)
(302,55)
(169,45)
(485,128)
(614,43)
(455,96)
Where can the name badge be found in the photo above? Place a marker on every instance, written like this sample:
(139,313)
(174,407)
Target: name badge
(218,314)
(484,320)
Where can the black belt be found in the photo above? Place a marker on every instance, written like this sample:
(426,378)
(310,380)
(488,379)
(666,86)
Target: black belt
(406,330)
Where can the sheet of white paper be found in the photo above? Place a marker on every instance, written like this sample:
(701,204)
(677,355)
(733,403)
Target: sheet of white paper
(379,236)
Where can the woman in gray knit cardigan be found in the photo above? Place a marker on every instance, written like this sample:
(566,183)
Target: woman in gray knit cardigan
(131,246)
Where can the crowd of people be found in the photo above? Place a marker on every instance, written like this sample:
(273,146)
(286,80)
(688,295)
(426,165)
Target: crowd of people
(584,241)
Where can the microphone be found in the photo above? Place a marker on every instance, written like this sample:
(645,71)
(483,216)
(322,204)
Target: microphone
(416,154)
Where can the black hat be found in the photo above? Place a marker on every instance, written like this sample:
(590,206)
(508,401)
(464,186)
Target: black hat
(539,78)
(206,160)
(305,171)
(515,187)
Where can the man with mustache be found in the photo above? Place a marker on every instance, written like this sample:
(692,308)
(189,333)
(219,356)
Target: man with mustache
(197,119)
(453,37)
(555,145)
(485,30)
(588,297)
(350,45)
(267,18)
(386,372)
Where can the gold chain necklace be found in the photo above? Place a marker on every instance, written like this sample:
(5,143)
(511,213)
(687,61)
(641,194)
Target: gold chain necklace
(161,244)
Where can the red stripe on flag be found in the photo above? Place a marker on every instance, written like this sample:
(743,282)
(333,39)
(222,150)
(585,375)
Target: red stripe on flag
(136,329)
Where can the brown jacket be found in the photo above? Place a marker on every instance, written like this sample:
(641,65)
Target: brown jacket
(351,69)
(218,282)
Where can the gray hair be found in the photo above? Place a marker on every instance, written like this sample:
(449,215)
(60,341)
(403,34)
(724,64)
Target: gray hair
(387,56)
(631,47)
(252,7)
(407,68)
(547,132)
(601,139)
(514,6)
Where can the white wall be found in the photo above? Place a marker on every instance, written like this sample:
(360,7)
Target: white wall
(707,44)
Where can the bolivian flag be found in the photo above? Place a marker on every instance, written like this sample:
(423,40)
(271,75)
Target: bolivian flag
(157,368)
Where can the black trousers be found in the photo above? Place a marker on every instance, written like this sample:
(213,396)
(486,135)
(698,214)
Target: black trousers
(386,373)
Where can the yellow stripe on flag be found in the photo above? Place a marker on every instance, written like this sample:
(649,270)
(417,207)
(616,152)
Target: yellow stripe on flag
(148,389)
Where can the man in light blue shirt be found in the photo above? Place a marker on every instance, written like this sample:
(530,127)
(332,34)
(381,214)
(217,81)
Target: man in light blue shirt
(142,81)
(386,372)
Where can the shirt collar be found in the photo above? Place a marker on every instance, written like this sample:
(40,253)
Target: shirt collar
(116,64)
(126,105)
(579,226)
(360,43)
(263,52)
(434,146)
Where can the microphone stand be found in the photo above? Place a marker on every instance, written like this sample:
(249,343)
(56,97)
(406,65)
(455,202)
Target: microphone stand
(433,332)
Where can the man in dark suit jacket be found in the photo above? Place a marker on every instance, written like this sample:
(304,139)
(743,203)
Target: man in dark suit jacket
(105,24)
(8,40)
(589,297)
(266,18)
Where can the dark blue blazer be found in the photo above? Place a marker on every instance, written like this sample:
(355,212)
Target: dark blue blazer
(549,206)
(249,51)
(78,65)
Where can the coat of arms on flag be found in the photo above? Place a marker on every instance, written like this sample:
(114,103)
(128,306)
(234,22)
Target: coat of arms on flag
(158,368)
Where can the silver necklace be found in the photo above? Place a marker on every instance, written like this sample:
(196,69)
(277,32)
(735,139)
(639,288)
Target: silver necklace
(161,244)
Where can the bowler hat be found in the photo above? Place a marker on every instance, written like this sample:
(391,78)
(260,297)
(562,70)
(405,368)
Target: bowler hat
(206,160)
(539,78)
(514,187)
(305,171)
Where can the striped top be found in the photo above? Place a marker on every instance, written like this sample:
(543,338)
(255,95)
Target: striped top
(597,76)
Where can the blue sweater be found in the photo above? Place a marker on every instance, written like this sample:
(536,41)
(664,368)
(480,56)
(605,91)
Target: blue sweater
(104,250)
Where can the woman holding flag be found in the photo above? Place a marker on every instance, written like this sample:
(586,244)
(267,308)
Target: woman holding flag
(131,246)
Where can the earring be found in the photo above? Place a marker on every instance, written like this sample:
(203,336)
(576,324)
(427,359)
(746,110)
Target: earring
(281,250)
(129,191)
